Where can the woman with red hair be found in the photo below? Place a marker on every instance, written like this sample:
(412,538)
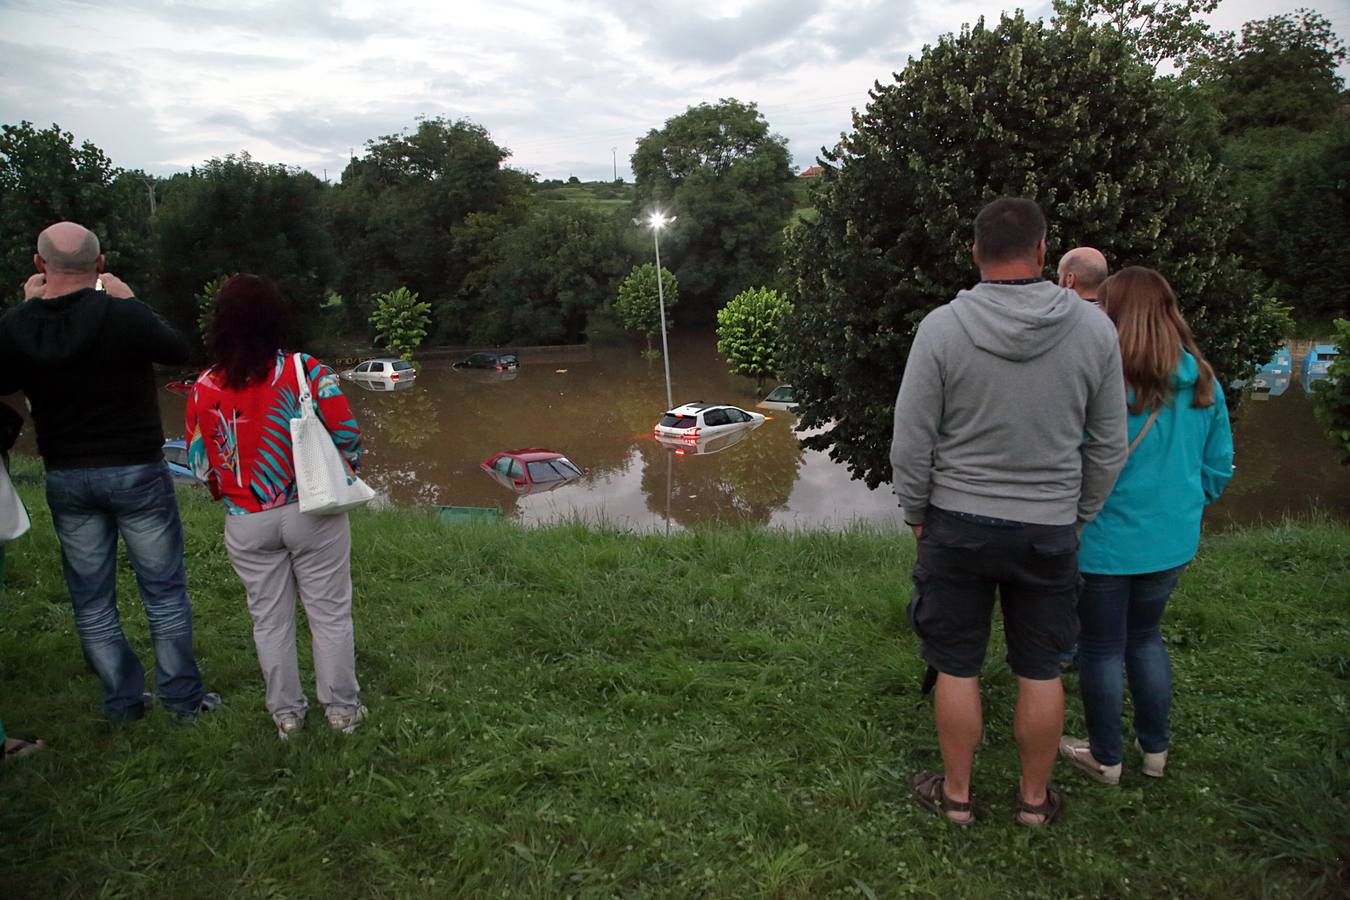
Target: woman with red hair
(239,442)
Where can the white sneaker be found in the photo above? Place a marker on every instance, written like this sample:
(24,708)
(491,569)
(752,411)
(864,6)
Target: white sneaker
(349,721)
(1078,752)
(289,724)
(1154,763)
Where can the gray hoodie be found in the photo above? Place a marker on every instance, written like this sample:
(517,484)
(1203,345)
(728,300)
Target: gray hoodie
(1012,406)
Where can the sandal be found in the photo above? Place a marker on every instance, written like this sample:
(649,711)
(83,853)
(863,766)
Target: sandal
(16,747)
(928,791)
(1050,809)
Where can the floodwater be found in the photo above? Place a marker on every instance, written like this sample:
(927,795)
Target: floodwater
(598,406)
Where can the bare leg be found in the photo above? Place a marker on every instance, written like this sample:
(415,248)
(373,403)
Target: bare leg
(1038,726)
(960,719)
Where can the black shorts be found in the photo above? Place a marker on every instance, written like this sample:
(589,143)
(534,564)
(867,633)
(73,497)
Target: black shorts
(959,565)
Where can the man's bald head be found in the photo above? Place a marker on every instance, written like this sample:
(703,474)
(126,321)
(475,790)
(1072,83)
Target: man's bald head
(69,249)
(1083,269)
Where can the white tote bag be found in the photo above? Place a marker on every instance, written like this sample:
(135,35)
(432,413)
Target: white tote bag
(326,484)
(13,517)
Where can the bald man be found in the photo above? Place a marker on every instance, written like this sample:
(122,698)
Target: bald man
(1082,270)
(84,357)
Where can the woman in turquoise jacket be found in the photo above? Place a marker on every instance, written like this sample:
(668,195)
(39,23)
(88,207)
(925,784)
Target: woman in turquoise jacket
(1133,553)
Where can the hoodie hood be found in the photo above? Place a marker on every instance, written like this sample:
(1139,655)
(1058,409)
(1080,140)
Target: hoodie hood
(57,330)
(1018,321)
(1187,372)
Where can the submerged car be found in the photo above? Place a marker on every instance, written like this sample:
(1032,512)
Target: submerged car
(176,457)
(182,385)
(693,421)
(532,470)
(1273,378)
(501,362)
(780,398)
(387,372)
(1317,363)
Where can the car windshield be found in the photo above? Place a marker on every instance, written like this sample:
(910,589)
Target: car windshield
(671,420)
(545,470)
(781,394)
(402,365)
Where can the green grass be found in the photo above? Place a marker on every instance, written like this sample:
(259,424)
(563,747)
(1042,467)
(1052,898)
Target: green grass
(570,712)
(598,196)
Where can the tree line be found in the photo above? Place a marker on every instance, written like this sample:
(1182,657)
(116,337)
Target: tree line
(433,210)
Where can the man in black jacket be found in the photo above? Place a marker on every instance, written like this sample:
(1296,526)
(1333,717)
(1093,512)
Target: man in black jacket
(84,357)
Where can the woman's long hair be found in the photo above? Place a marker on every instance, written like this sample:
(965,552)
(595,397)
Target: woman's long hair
(1152,334)
(249,325)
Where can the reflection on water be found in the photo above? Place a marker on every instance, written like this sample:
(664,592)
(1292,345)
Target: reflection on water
(425,445)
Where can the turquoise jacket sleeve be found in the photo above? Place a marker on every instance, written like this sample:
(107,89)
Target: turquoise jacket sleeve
(1217,466)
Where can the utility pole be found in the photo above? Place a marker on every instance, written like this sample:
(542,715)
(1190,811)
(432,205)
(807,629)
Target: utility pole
(615,152)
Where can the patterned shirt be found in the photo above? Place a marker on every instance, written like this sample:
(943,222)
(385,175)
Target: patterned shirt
(241,438)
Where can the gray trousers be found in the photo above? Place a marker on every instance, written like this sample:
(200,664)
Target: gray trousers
(275,553)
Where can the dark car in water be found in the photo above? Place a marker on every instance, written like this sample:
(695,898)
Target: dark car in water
(489,360)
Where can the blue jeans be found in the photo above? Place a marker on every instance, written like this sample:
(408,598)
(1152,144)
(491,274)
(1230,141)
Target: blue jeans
(90,507)
(1119,618)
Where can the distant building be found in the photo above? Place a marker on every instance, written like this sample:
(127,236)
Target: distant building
(813,172)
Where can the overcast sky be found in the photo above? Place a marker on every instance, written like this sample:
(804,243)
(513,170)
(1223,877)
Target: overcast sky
(567,86)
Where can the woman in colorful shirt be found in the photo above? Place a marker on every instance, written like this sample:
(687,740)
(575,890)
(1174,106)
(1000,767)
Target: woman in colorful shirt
(239,442)
(1132,555)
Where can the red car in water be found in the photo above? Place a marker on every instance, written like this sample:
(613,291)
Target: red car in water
(182,386)
(532,470)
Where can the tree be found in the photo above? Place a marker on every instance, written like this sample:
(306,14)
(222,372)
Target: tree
(400,321)
(535,281)
(400,207)
(1278,97)
(1071,116)
(45,177)
(1282,74)
(206,302)
(729,180)
(1161,30)
(638,305)
(238,215)
(750,332)
(1331,395)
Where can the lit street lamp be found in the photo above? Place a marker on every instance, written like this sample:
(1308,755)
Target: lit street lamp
(657,221)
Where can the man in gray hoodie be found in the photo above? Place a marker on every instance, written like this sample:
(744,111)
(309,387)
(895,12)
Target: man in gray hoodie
(1009,434)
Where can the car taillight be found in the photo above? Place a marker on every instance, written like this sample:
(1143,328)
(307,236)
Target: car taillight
(393,376)
(691,432)
(501,368)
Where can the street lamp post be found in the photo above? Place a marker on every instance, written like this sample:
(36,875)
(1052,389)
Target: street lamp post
(657,221)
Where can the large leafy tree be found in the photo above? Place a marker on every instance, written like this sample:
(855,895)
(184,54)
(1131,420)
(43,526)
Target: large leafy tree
(400,321)
(1071,115)
(239,215)
(399,208)
(750,332)
(46,177)
(1281,113)
(728,179)
(640,299)
(536,280)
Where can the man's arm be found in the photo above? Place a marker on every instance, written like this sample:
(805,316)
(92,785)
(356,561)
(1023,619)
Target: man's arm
(159,340)
(918,412)
(1105,439)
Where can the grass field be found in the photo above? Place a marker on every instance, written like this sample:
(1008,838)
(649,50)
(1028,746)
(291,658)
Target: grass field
(569,712)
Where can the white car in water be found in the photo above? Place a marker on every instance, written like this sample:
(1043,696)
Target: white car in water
(699,421)
(384,372)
